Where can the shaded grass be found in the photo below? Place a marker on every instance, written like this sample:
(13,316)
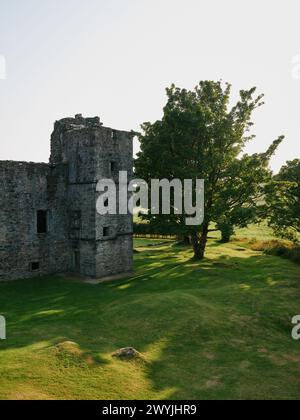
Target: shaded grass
(219,329)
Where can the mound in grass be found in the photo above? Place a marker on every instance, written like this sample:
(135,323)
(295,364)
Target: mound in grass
(69,347)
(70,354)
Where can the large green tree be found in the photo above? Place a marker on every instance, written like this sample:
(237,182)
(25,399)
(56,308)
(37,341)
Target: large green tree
(201,137)
(283,201)
(241,200)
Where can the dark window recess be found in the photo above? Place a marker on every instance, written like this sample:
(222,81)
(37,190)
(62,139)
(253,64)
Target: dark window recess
(75,224)
(113,168)
(42,222)
(75,220)
(77,260)
(35,266)
(106,232)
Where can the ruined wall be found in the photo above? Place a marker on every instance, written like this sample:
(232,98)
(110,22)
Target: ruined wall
(24,191)
(94,152)
(82,153)
(118,247)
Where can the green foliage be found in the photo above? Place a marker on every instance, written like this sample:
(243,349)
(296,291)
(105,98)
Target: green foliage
(200,136)
(240,200)
(290,172)
(283,202)
(145,229)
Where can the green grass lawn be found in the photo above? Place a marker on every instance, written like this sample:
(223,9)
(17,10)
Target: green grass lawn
(219,329)
(260,232)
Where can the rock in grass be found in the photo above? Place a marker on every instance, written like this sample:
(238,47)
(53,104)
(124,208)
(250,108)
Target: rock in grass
(127,353)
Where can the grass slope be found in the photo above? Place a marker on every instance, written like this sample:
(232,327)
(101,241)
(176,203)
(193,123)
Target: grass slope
(217,329)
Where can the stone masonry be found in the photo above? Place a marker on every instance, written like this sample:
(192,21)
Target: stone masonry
(48,218)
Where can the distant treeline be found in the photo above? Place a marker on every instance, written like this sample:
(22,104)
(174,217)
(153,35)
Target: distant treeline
(145,230)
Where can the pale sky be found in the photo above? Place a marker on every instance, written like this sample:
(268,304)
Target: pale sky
(114,58)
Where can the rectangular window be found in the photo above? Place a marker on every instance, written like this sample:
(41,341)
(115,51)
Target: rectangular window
(77,260)
(112,168)
(42,221)
(35,266)
(75,220)
(75,224)
(106,232)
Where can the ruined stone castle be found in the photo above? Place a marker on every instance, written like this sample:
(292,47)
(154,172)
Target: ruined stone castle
(48,218)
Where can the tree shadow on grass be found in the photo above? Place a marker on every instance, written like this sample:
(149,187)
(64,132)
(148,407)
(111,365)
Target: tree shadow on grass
(197,323)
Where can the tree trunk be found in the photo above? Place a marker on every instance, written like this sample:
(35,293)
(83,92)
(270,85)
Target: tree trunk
(199,243)
(187,240)
(227,231)
(225,238)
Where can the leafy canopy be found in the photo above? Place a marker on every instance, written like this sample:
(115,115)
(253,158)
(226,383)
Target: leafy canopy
(201,136)
(283,201)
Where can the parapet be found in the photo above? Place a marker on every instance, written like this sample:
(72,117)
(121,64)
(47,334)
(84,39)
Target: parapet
(78,122)
(81,133)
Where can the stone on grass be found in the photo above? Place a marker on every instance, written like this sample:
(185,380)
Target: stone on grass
(127,353)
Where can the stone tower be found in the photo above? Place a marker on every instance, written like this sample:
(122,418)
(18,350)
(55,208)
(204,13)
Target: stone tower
(48,217)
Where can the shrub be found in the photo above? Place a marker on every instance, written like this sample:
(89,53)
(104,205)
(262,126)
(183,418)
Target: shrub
(278,248)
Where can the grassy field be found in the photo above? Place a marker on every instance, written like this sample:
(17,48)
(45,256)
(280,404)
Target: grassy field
(220,329)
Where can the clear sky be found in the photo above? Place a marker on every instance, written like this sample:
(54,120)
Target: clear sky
(114,58)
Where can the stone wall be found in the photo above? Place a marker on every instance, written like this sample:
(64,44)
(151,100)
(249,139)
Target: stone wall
(82,153)
(24,191)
